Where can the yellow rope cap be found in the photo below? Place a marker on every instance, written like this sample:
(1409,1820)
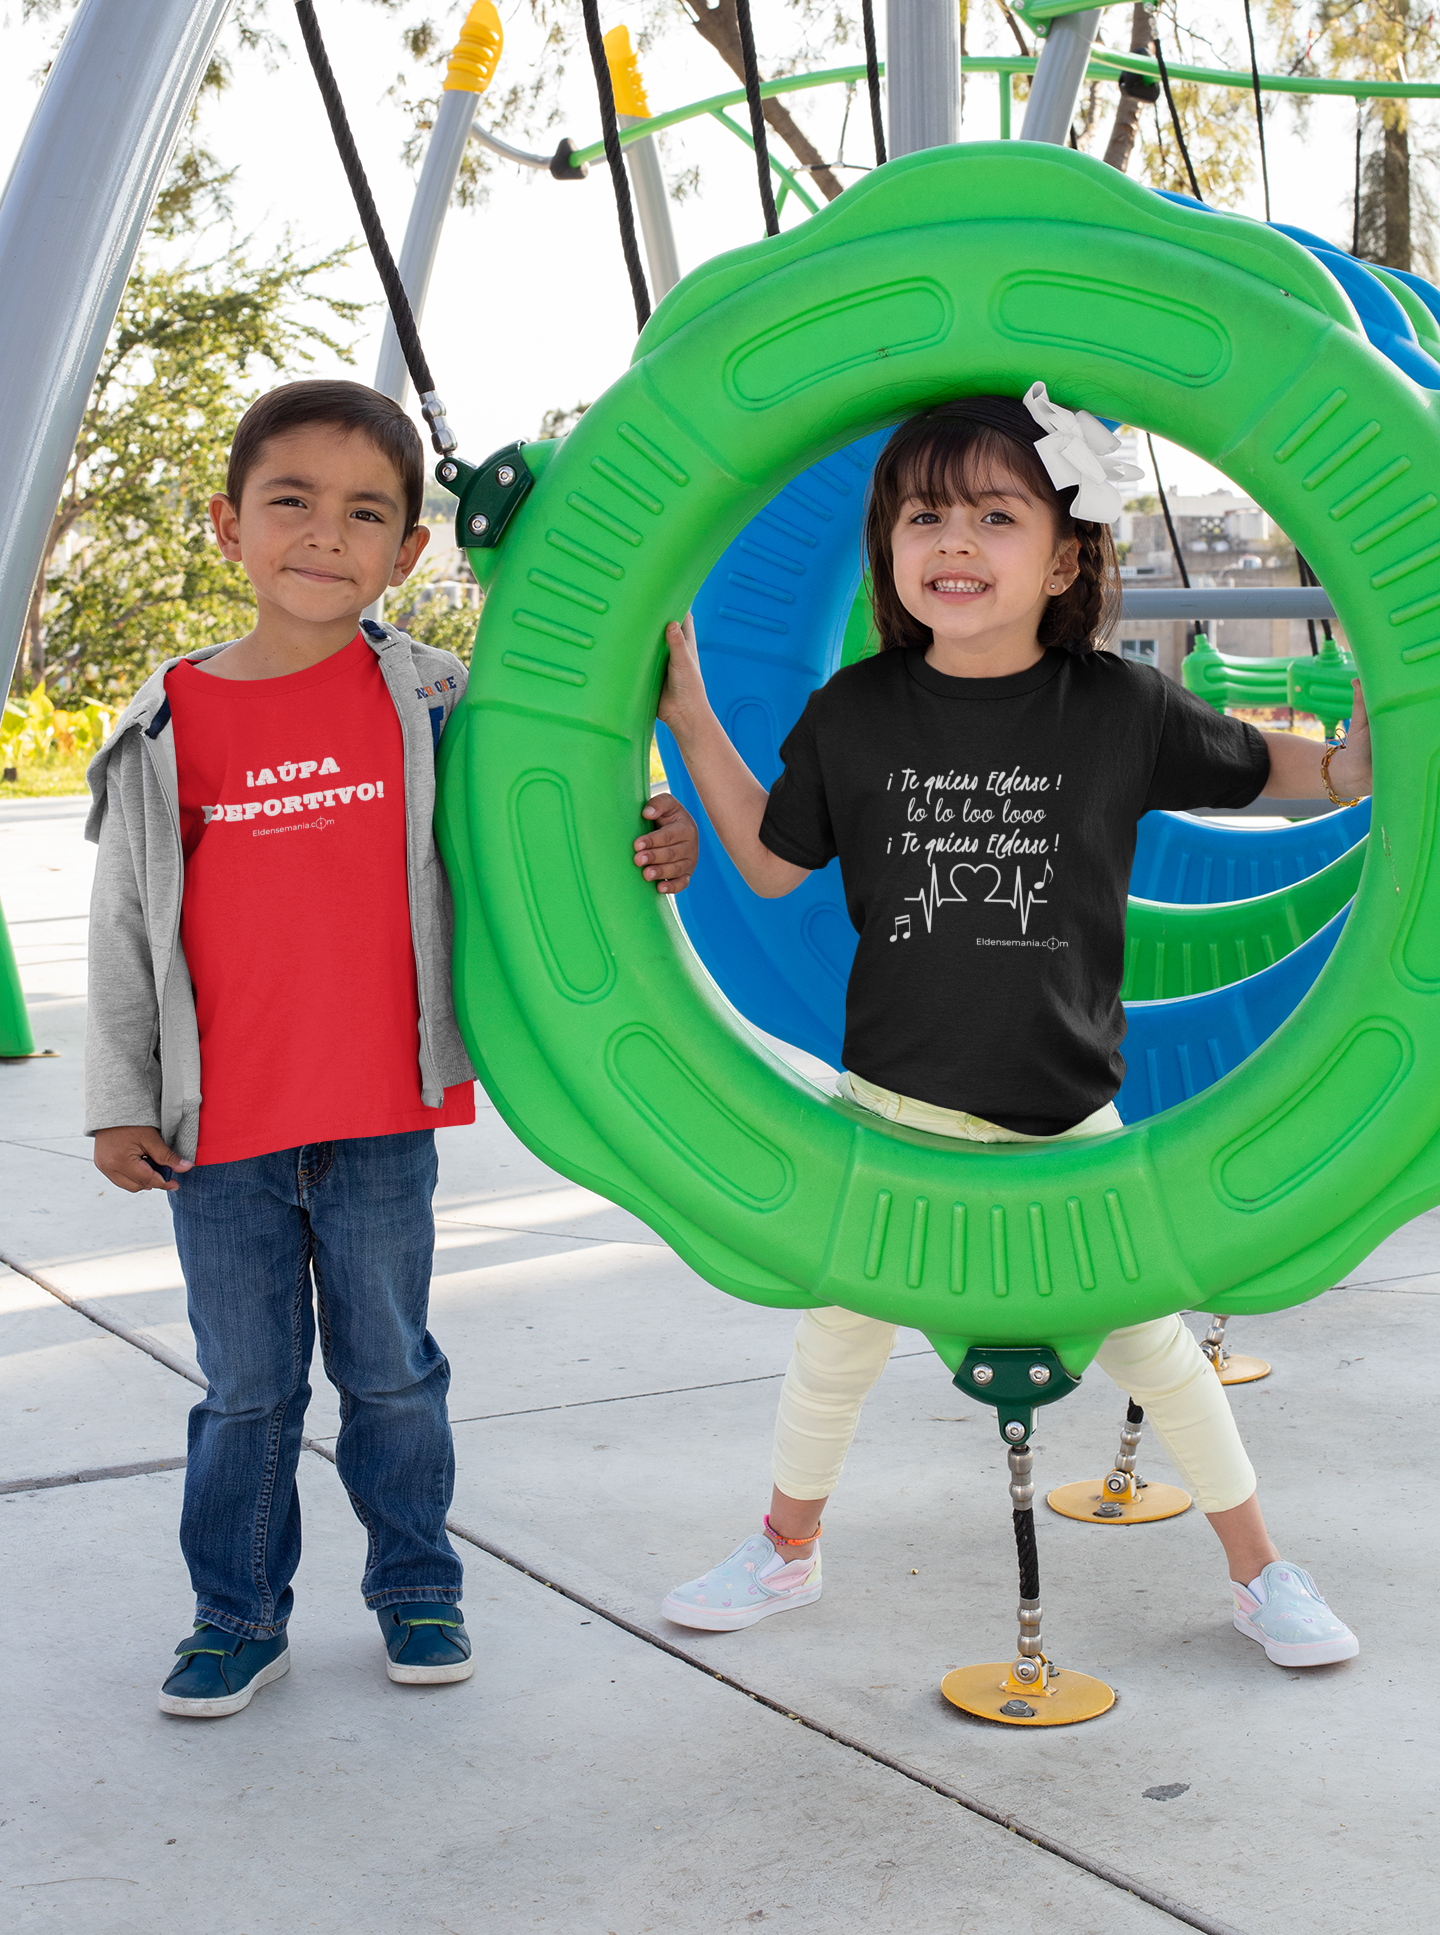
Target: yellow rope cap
(477,51)
(625,76)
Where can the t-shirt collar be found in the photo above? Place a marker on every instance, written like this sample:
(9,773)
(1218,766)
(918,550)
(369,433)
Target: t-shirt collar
(1014,686)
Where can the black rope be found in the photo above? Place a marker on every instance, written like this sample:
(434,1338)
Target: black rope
(614,156)
(1169,521)
(1175,119)
(1259,114)
(1307,577)
(757,116)
(1025,1551)
(1359,131)
(872,80)
(401,313)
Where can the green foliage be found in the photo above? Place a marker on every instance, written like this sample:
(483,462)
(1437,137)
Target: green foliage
(46,748)
(131,573)
(449,629)
(1395,219)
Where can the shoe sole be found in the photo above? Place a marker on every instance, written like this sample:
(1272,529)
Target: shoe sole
(429,1675)
(705,1621)
(1283,1653)
(232,1702)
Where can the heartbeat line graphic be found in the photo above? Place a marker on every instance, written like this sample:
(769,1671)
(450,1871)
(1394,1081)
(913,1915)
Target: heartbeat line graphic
(1022,901)
(930,899)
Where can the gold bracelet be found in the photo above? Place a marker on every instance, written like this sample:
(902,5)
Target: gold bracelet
(1335,745)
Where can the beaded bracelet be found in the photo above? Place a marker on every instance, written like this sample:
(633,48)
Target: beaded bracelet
(1333,746)
(780,1538)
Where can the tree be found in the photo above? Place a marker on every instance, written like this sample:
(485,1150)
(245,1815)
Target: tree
(130,573)
(1135,91)
(1217,123)
(1386,40)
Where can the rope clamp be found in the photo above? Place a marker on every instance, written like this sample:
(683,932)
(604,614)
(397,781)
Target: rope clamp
(441,435)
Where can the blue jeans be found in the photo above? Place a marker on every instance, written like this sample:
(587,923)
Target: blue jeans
(356,1216)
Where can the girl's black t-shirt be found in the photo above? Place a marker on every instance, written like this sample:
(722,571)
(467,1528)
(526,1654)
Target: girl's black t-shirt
(986,830)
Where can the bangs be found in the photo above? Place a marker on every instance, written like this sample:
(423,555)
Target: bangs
(961,463)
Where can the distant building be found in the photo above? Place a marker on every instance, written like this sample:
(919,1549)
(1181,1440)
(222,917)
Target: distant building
(1226,540)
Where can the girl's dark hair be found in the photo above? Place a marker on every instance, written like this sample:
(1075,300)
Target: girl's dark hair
(951,454)
(346,406)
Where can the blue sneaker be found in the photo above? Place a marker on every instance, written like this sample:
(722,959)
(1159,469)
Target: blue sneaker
(427,1643)
(1290,1619)
(219,1672)
(750,1585)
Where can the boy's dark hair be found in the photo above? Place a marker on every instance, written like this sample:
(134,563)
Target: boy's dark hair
(348,406)
(949,454)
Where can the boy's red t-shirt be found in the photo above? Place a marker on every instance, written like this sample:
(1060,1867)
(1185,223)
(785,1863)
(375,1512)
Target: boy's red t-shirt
(296,912)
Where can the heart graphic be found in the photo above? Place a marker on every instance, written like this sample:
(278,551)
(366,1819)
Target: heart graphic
(963,866)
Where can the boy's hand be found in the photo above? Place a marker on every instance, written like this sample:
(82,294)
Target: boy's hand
(132,1159)
(669,853)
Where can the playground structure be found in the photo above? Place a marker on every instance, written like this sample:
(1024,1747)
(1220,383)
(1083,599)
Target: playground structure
(1250,1194)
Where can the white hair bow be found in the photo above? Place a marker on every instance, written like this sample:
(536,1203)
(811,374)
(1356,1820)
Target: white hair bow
(1077,450)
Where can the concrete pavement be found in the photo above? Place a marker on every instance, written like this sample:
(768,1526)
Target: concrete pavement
(612,1417)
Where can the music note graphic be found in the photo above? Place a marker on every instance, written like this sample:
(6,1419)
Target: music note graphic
(902,921)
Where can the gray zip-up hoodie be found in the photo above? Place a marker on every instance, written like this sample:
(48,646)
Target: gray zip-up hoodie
(142,1044)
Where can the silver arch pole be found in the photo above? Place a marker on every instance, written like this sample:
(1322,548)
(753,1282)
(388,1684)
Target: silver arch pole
(443,156)
(1059,76)
(922,74)
(74,209)
(652,205)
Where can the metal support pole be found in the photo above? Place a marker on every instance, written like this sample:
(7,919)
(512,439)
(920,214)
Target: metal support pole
(1213,1343)
(422,233)
(1029,1667)
(652,204)
(922,74)
(1059,76)
(75,207)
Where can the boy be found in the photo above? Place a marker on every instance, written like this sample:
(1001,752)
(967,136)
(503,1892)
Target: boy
(271,1036)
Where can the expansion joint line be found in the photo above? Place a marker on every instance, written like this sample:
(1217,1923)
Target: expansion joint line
(1012,1824)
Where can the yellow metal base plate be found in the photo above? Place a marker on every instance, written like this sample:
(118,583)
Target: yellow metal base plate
(1239,1369)
(986,1691)
(1092,1504)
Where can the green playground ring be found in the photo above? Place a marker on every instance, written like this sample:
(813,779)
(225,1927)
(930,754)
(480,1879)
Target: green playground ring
(1178,948)
(597,1032)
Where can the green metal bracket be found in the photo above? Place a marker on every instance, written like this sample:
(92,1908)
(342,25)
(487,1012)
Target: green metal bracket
(1016,1379)
(489,494)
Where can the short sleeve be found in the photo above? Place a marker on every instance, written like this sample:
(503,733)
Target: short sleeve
(1205,759)
(797,824)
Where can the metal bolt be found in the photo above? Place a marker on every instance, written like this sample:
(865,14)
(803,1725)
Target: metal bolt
(505,474)
(479,524)
(1025,1671)
(982,1374)
(1016,1433)
(1018,1710)
(1115,1482)
(448,473)
(1108,1511)
(1039,1374)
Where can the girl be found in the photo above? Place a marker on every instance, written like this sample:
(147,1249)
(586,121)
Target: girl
(984,1002)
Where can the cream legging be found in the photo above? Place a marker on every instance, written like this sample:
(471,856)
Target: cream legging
(838,1358)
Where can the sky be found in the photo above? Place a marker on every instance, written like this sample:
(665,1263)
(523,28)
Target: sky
(529,307)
